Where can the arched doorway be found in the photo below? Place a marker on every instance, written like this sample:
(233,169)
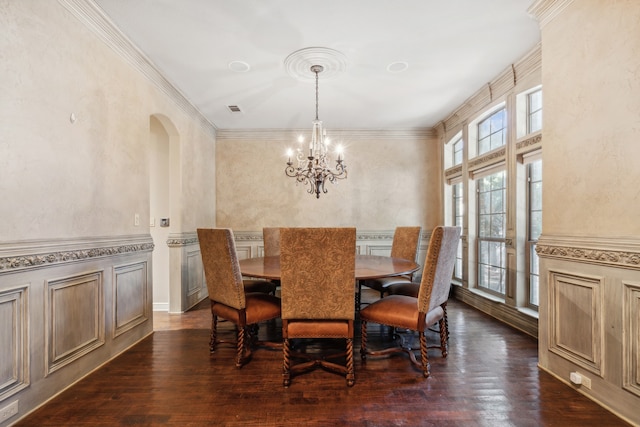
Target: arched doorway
(163,201)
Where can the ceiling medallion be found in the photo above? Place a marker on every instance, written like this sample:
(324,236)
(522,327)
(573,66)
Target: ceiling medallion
(299,63)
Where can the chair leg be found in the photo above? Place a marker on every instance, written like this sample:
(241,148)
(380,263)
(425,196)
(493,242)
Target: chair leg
(423,354)
(351,378)
(446,319)
(214,326)
(443,336)
(363,341)
(240,347)
(286,365)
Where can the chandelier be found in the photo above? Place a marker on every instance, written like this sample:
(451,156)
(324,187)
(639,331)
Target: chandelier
(312,166)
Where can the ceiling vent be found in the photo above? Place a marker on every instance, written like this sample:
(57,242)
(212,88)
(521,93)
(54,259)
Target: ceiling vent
(234,109)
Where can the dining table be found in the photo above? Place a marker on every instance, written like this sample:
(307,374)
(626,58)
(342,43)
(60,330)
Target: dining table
(367,267)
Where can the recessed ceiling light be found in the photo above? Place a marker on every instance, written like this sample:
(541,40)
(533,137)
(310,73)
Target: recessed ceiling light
(239,66)
(397,67)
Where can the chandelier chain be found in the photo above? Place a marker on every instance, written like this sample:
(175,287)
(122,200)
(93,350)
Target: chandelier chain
(316,71)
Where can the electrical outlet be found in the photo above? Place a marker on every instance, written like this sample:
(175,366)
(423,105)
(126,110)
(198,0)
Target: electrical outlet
(581,380)
(8,411)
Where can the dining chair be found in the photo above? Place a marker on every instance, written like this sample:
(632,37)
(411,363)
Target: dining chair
(412,290)
(271,238)
(228,296)
(417,314)
(405,245)
(318,301)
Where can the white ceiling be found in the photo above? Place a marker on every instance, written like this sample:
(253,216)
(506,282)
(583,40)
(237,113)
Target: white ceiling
(452,49)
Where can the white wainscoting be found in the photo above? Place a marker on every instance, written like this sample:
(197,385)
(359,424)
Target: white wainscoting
(14,340)
(590,317)
(66,308)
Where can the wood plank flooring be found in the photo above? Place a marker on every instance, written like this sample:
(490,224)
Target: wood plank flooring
(490,378)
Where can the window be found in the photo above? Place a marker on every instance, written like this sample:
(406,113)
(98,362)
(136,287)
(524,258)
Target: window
(487,187)
(457,152)
(534,111)
(491,232)
(492,132)
(534,225)
(458,214)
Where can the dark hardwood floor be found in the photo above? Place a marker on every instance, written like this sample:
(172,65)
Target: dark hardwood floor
(490,378)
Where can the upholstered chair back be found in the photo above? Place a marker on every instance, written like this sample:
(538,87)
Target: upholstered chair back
(318,273)
(271,236)
(438,268)
(405,242)
(221,268)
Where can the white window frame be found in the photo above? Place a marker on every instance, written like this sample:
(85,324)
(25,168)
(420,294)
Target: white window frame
(492,132)
(532,260)
(457,219)
(480,284)
(531,112)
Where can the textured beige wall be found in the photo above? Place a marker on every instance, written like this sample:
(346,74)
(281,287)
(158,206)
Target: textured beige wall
(60,179)
(394,179)
(591,81)
(591,199)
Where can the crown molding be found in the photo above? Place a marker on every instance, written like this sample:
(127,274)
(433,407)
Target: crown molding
(96,20)
(503,84)
(336,134)
(546,10)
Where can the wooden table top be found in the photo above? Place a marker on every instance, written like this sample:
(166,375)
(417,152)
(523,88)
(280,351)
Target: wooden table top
(367,267)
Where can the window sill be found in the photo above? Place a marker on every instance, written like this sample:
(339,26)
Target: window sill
(528,312)
(487,295)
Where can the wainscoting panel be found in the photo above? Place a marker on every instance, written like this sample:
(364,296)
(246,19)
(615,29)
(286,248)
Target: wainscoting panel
(75,318)
(381,250)
(576,323)
(245,251)
(590,317)
(631,343)
(196,282)
(66,308)
(130,289)
(14,342)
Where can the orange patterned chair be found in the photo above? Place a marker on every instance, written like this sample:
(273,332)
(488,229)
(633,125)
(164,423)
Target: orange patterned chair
(417,314)
(318,301)
(227,294)
(271,238)
(405,245)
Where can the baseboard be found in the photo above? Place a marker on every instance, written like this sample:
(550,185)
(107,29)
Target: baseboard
(160,306)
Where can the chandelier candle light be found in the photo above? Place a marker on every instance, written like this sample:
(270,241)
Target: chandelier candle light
(313,167)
